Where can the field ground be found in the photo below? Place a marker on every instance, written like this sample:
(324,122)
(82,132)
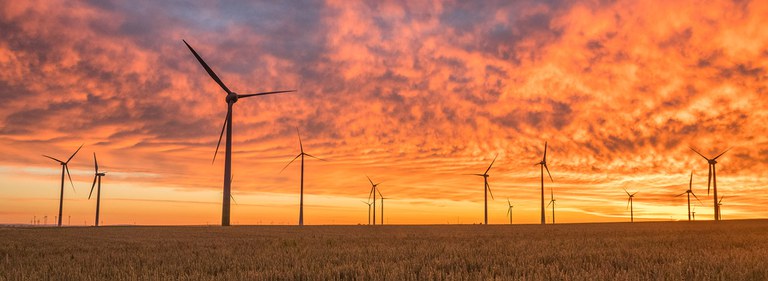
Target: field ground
(730,250)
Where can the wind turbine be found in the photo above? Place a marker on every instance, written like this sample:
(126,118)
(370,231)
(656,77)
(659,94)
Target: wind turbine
(369,211)
(712,179)
(631,205)
(301,196)
(694,213)
(487,188)
(64,168)
(690,192)
(382,207)
(720,203)
(231,99)
(98,191)
(552,202)
(373,193)
(543,164)
(509,210)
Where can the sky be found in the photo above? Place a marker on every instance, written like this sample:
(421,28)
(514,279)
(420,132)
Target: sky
(413,94)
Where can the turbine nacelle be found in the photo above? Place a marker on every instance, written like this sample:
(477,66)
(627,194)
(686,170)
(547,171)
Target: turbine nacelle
(712,161)
(231,97)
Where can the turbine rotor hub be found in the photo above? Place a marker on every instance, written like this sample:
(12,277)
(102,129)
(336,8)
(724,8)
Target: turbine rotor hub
(231,97)
(712,162)
(101,174)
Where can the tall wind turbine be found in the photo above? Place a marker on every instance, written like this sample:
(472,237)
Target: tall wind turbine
(543,164)
(486,188)
(552,202)
(509,210)
(369,211)
(231,99)
(690,192)
(631,205)
(712,179)
(301,196)
(720,203)
(98,191)
(374,189)
(64,168)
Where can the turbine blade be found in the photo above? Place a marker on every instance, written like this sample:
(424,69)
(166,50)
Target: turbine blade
(697,198)
(233,199)
(301,146)
(509,203)
(73,154)
(220,136)
(681,194)
(265,93)
(369,179)
(489,166)
(70,178)
(628,203)
(488,186)
(721,200)
(289,163)
(625,190)
(54,159)
(550,175)
(315,157)
(545,152)
(379,191)
(207,68)
(95,163)
(370,194)
(92,186)
(697,152)
(550,203)
(721,154)
(690,183)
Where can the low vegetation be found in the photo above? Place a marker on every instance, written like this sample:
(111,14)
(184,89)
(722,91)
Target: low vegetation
(732,250)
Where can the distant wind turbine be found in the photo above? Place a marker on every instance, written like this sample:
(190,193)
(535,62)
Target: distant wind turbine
(64,168)
(543,164)
(486,188)
(96,177)
(690,192)
(509,210)
(552,202)
(369,211)
(301,196)
(374,189)
(631,205)
(382,207)
(712,178)
(231,99)
(720,203)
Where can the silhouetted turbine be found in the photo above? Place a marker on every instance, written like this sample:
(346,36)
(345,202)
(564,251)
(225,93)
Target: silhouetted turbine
(369,211)
(301,196)
(552,202)
(712,178)
(382,207)
(543,164)
(486,188)
(690,192)
(231,99)
(64,168)
(631,205)
(509,210)
(373,193)
(98,191)
(720,203)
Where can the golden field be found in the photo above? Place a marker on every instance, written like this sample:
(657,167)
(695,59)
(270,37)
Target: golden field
(705,250)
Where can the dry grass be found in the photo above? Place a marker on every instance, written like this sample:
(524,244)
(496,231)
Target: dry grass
(732,250)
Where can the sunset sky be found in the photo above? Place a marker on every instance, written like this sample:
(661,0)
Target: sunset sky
(414,94)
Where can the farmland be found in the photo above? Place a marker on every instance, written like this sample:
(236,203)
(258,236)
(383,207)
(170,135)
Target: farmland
(735,250)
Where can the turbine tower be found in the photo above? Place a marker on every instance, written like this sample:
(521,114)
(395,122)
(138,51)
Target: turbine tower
(382,207)
(690,192)
(631,205)
(64,168)
(543,164)
(231,99)
(301,196)
(486,188)
(509,210)
(374,189)
(712,179)
(98,191)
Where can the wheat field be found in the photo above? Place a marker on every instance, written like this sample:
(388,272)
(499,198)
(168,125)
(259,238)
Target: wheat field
(730,250)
